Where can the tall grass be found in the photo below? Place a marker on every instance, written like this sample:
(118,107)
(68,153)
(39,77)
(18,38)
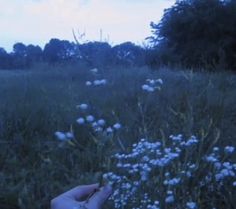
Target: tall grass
(34,166)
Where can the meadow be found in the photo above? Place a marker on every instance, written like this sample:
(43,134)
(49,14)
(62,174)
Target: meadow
(170,134)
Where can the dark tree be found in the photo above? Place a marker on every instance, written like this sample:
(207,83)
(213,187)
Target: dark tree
(19,56)
(96,54)
(128,54)
(58,50)
(5,59)
(198,33)
(33,53)
(19,49)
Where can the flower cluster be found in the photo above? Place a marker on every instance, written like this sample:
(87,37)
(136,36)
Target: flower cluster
(151,85)
(153,173)
(98,125)
(100,82)
(223,170)
(64,136)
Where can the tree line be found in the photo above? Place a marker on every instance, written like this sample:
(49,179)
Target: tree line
(62,51)
(198,34)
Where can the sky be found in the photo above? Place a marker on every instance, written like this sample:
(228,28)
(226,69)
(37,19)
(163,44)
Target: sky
(116,21)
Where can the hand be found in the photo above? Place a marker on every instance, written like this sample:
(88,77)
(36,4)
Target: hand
(79,197)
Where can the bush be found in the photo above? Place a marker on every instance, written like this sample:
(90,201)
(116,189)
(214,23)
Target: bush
(199,33)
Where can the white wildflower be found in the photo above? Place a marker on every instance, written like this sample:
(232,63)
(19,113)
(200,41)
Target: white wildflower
(150,89)
(211,158)
(191,205)
(145,87)
(109,130)
(170,199)
(117,126)
(80,121)
(101,122)
(94,70)
(98,129)
(216,149)
(88,83)
(96,82)
(103,81)
(60,136)
(229,149)
(160,81)
(69,135)
(90,118)
(83,106)
(94,124)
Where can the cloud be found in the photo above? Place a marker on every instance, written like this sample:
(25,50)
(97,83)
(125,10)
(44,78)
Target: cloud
(36,21)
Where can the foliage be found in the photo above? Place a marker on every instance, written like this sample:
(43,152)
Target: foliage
(5,58)
(94,54)
(198,33)
(35,167)
(58,50)
(128,54)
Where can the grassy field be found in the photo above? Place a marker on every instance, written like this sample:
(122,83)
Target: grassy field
(35,166)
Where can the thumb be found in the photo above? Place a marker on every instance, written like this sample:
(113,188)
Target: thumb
(101,196)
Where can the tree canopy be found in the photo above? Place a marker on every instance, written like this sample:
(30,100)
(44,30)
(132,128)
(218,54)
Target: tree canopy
(198,33)
(56,51)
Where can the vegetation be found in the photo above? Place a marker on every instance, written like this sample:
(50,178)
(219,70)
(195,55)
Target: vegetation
(197,34)
(36,166)
(163,136)
(93,54)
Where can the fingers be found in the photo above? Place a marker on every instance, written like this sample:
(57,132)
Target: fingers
(81,191)
(101,196)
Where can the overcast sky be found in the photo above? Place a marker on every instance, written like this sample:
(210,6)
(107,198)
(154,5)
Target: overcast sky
(36,21)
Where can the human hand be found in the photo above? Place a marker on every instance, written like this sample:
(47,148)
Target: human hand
(79,197)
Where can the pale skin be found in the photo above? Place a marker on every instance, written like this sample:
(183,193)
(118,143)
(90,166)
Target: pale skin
(82,197)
